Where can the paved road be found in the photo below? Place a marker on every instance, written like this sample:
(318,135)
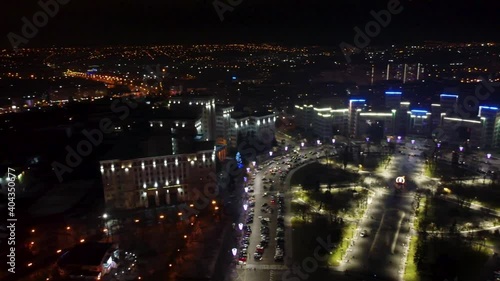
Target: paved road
(267,268)
(382,252)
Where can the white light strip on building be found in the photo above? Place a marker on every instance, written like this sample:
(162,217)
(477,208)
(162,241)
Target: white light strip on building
(375,114)
(462,120)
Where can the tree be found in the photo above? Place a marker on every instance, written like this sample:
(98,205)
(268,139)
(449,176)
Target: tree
(302,209)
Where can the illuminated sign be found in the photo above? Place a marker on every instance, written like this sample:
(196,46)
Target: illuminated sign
(400,180)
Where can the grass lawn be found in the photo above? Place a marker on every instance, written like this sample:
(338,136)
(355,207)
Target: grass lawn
(308,175)
(493,242)
(304,239)
(411,272)
(443,214)
(486,195)
(346,236)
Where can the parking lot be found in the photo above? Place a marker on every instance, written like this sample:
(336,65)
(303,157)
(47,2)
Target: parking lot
(266,227)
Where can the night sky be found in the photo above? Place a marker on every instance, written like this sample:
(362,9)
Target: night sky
(109,22)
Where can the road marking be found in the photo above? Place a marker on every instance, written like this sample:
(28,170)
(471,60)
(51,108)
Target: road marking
(395,240)
(376,234)
(271,275)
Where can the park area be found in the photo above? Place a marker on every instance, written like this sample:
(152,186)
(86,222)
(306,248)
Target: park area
(324,211)
(449,244)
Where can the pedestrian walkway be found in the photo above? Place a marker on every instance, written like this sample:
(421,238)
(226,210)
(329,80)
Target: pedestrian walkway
(266,266)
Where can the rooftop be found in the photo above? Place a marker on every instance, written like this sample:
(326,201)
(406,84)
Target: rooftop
(151,145)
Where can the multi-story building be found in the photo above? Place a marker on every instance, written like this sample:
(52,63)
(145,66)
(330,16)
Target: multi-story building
(393,99)
(207,113)
(260,126)
(329,122)
(482,132)
(355,106)
(386,120)
(419,121)
(448,103)
(304,115)
(489,115)
(458,131)
(496,132)
(223,126)
(155,171)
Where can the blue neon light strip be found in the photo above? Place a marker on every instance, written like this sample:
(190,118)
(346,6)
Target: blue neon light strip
(357,100)
(449,96)
(489,107)
(418,110)
(393,93)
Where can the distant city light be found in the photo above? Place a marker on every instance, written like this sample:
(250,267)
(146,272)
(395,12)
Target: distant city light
(488,155)
(240,226)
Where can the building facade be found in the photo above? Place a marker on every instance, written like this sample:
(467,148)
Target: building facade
(157,180)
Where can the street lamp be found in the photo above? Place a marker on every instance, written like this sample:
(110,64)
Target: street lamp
(286,148)
(333,141)
(461,148)
(301,144)
(412,141)
(240,226)
(246,189)
(388,139)
(318,142)
(234,250)
(248,170)
(253,163)
(245,207)
(439,145)
(270,153)
(399,137)
(367,139)
(488,155)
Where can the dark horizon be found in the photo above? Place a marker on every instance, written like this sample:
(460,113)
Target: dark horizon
(94,23)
